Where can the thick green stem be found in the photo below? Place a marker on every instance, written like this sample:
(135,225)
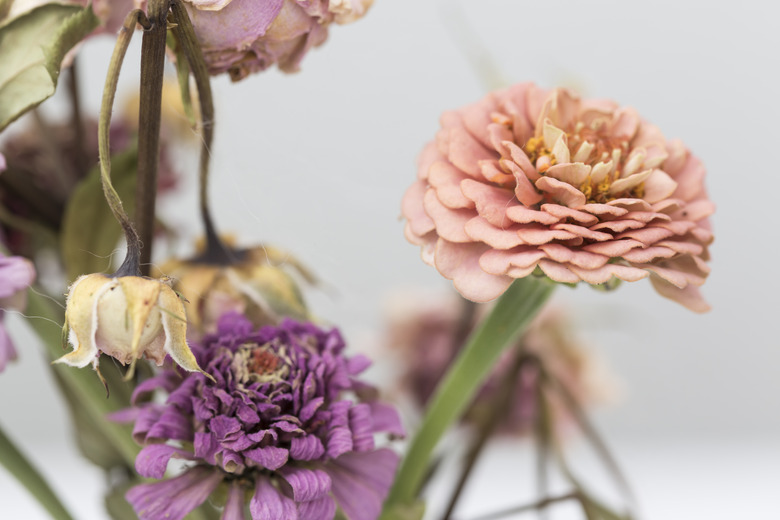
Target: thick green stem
(24,471)
(82,383)
(149,115)
(508,319)
(216,251)
(131,263)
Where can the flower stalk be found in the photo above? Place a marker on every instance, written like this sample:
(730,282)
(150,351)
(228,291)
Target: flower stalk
(514,310)
(149,116)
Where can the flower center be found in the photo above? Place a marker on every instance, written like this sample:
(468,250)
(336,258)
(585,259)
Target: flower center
(260,363)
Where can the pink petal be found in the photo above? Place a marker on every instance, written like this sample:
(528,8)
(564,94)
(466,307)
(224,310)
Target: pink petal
(465,152)
(536,234)
(690,296)
(520,158)
(445,178)
(500,262)
(648,235)
(418,221)
(658,186)
(650,254)
(491,202)
(524,190)
(631,204)
(450,223)
(690,180)
(603,209)
(583,232)
(480,230)
(571,173)
(605,273)
(428,156)
(617,226)
(524,215)
(492,173)
(561,192)
(563,212)
(579,258)
(460,263)
(695,211)
(613,248)
(558,272)
(626,123)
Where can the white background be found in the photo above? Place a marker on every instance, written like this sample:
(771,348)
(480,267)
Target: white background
(317,163)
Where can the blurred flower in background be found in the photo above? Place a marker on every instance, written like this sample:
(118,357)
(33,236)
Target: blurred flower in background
(427,332)
(528,181)
(285,422)
(16,274)
(241,37)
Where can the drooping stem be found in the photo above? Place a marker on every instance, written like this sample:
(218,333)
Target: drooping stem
(508,319)
(542,438)
(215,251)
(503,402)
(132,261)
(149,115)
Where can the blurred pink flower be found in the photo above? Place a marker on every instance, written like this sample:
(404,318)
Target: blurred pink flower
(16,274)
(427,333)
(245,36)
(530,180)
(110,12)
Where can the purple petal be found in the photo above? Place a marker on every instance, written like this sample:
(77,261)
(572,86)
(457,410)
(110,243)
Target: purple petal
(232,462)
(206,447)
(268,504)
(234,507)
(360,482)
(361,424)
(308,447)
(339,441)
(223,426)
(171,425)
(357,364)
(308,411)
(16,273)
(269,457)
(173,499)
(321,509)
(153,459)
(164,381)
(306,484)
(386,419)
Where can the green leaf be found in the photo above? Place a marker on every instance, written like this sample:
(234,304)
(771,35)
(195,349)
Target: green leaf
(413,511)
(16,463)
(508,319)
(32,47)
(89,231)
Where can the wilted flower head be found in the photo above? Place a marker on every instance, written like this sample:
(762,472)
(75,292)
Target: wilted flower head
(257,285)
(427,333)
(275,424)
(110,12)
(125,317)
(245,36)
(527,180)
(16,274)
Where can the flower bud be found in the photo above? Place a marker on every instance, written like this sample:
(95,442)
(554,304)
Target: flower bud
(126,317)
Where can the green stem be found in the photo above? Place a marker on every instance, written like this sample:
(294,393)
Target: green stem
(83,384)
(215,251)
(21,468)
(131,263)
(508,319)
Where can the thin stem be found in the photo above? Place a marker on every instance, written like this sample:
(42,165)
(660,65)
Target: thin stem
(502,403)
(508,319)
(149,115)
(542,436)
(131,264)
(593,436)
(76,121)
(215,251)
(534,506)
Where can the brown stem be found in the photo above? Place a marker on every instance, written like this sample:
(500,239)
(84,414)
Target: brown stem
(149,114)
(216,251)
(539,505)
(502,403)
(542,437)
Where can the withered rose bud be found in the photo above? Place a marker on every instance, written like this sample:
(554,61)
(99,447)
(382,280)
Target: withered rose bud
(125,317)
(245,36)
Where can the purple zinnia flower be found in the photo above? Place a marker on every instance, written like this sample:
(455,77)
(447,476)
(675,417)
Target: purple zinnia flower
(275,426)
(16,274)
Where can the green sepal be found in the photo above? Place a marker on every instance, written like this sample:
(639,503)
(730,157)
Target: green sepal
(32,47)
(183,75)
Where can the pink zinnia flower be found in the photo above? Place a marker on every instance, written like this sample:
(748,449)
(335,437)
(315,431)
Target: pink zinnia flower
(528,180)
(245,36)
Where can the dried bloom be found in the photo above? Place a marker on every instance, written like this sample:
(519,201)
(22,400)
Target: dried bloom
(16,274)
(125,317)
(110,12)
(274,424)
(258,285)
(241,37)
(581,190)
(427,334)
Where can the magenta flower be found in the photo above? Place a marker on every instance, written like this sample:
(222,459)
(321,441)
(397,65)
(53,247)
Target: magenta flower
(16,274)
(275,426)
(241,37)
(528,181)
